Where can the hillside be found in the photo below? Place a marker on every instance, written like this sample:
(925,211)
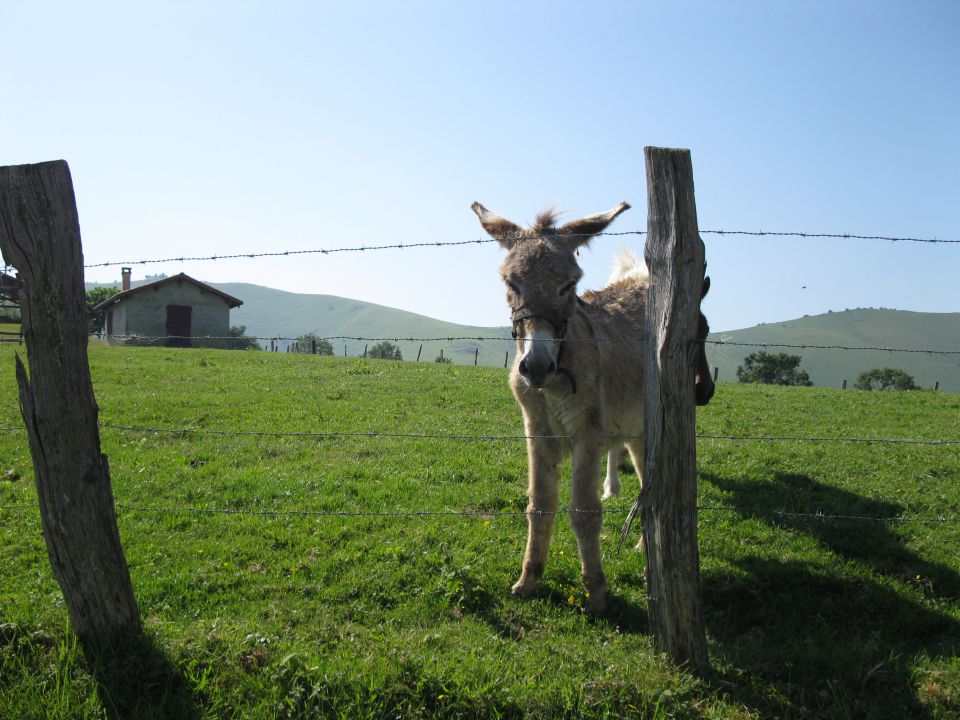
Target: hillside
(854,328)
(267,312)
(275,313)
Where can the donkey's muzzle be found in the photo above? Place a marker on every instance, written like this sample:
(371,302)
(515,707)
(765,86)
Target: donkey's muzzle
(704,389)
(538,372)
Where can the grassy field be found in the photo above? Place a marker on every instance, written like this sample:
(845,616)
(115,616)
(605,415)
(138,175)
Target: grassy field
(267,613)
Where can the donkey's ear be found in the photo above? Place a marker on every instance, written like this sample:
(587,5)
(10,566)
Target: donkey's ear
(582,230)
(499,228)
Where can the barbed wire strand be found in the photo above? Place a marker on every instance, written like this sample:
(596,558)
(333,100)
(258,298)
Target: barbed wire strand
(483,241)
(485,514)
(498,338)
(371,434)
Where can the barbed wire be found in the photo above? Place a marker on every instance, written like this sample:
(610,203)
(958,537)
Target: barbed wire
(497,338)
(818,515)
(924,351)
(371,434)
(484,241)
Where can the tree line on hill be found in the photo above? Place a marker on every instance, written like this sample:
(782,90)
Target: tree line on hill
(784,369)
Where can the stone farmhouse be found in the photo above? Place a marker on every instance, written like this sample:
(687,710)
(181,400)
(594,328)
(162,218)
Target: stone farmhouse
(177,311)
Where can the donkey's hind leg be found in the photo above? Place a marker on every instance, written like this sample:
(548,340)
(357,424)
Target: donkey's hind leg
(586,516)
(636,454)
(611,484)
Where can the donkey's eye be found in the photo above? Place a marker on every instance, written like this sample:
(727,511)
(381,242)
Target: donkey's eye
(567,288)
(514,287)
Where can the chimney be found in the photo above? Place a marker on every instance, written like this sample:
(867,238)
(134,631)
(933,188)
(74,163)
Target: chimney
(125,272)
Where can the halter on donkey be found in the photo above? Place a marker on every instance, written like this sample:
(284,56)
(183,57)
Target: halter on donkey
(577,376)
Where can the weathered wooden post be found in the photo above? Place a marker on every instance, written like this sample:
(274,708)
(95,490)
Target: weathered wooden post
(668,501)
(418,353)
(40,236)
(476,356)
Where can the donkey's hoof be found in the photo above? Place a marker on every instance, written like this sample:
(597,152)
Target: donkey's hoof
(597,602)
(522,589)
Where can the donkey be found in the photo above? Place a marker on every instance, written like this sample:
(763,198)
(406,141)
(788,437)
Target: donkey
(704,385)
(577,376)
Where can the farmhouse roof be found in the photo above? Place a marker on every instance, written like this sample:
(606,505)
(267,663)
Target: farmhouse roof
(9,286)
(180,277)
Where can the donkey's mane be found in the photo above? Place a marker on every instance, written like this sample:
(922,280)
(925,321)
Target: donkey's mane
(546,221)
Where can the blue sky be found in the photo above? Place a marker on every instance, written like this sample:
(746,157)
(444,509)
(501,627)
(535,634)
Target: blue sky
(228,127)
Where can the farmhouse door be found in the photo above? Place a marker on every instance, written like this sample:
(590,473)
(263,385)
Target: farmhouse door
(178,325)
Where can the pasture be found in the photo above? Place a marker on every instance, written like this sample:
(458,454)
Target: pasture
(368,576)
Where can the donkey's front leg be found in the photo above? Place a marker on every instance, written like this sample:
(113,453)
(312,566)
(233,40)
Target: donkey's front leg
(544,458)
(587,518)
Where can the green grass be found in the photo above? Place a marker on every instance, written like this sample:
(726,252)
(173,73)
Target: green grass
(285,615)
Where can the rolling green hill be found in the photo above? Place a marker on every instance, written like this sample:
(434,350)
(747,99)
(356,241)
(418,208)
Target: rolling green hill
(275,313)
(267,312)
(854,328)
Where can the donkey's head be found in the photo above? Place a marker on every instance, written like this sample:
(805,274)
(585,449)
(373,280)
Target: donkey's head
(705,387)
(541,275)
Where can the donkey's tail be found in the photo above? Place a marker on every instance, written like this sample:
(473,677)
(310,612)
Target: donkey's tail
(628,267)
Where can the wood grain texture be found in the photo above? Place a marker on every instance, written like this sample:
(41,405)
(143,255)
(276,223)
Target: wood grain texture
(668,503)
(40,237)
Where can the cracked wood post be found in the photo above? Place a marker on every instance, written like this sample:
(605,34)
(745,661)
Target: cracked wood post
(668,501)
(40,237)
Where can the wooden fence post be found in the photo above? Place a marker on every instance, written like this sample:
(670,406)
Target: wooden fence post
(668,501)
(40,236)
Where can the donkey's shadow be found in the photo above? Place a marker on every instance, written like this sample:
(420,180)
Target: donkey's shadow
(851,526)
(823,640)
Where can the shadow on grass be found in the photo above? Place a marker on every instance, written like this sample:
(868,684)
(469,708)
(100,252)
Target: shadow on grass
(136,680)
(870,542)
(812,639)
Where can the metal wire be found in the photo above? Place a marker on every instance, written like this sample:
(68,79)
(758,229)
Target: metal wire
(497,338)
(832,347)
(484,514)
(483,241)
(333,434)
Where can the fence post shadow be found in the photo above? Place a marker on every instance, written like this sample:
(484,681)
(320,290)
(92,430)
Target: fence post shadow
(135,678)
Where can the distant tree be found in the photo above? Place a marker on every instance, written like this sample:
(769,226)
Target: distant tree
(385,350)
(885,379)
(305,344)
(95,296)
(239,340)
(769,369)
